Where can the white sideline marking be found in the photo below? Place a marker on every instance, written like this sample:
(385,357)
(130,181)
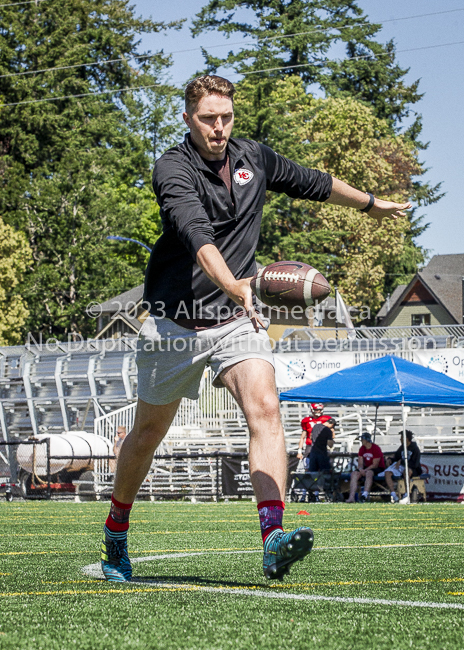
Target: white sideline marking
(306,597)
(94,571)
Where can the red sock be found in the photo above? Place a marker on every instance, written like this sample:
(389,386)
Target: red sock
(118,519)
(270,516)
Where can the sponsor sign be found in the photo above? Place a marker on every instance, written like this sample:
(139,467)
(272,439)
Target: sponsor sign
(236,476)
(446,476)
(299,368)
(450,362)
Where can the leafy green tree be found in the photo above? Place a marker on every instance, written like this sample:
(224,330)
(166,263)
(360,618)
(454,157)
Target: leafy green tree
(343,137)
(75,144)
(288,39)
(136,206)
(15,256)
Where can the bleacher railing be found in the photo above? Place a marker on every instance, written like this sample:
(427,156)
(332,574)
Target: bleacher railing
(215,409)
(455,333)
(61,386)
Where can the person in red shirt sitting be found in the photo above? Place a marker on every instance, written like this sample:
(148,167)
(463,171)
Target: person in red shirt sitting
(370,463)
(317,417)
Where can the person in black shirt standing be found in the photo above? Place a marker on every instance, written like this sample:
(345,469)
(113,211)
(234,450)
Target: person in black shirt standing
(414,464)
(323,437)
(211,189)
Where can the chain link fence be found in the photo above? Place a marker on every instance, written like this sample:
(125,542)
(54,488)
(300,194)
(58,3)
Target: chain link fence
(193,476)
(28,470)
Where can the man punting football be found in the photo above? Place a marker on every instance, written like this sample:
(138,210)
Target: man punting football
(211,190)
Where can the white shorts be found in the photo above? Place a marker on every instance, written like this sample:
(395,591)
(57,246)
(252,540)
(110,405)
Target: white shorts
(171,359)
(396,472)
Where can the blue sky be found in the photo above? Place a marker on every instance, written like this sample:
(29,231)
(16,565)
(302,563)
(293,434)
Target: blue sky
(440,69)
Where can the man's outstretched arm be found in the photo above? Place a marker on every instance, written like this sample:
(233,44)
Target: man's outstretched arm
(284,175)
(347,196)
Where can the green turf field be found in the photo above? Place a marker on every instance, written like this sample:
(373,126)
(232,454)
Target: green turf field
(380,576)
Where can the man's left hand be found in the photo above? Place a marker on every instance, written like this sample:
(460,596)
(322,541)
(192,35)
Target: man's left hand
(347,196)
(387,209)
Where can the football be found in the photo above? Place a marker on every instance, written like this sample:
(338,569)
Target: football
(289,284)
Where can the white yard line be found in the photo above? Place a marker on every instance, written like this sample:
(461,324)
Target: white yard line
(94,571)
(310,597)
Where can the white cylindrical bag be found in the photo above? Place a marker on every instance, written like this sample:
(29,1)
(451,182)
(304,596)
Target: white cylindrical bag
(77,447)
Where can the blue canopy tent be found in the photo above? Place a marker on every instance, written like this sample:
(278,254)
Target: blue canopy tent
(385,381)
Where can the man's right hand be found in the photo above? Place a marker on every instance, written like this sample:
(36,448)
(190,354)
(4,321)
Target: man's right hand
(240,292)
(213,264)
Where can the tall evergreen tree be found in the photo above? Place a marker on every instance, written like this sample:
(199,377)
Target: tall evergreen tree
(298,37)
(77,147)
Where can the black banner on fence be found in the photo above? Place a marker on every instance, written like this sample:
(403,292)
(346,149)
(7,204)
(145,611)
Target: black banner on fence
(236,476)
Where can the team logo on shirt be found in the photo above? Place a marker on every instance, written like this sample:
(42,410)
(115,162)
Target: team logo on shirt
(243,176)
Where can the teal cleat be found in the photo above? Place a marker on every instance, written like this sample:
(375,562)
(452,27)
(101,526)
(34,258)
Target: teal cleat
(115,561)
(281,550)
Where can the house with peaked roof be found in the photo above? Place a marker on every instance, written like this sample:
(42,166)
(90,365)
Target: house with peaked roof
(433,297)
(122,315)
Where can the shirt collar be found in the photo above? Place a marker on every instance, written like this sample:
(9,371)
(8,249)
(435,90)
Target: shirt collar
(234,150)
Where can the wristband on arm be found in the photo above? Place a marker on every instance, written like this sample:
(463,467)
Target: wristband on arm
(370,204)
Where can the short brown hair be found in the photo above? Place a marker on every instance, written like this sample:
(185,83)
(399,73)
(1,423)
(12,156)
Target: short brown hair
(208,84)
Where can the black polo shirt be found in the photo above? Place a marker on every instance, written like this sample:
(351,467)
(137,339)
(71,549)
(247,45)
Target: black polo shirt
(197,208)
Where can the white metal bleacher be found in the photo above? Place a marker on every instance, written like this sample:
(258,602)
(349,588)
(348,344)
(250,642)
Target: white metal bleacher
(63,386)
(74,385)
